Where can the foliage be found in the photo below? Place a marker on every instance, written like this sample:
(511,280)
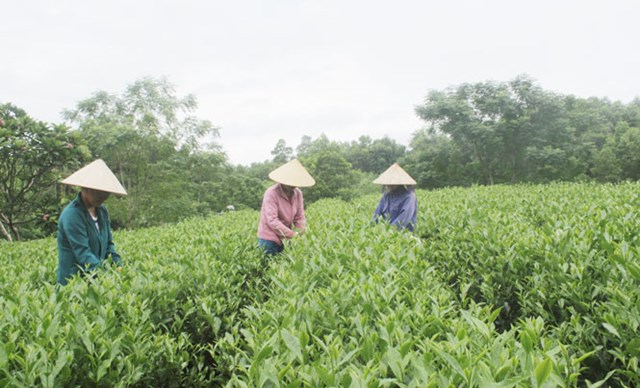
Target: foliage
(498,286)
(435,161)
(281,153)
(158,148)
(154,324)
(334,175)
(150,108)
(482,133)
(508,132)
(33,156)
(562,253)
(374,156)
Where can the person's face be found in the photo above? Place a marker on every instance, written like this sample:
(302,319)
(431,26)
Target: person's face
(392,187)
(287,189)
(95,198)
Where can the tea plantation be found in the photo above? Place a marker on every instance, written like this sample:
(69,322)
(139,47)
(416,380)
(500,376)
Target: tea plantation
(502,286)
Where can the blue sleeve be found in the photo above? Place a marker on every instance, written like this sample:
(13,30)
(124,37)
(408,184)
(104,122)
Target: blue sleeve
(379,210)
(76,233)
(408,215)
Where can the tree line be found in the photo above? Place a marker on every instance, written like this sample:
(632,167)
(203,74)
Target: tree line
(172,166)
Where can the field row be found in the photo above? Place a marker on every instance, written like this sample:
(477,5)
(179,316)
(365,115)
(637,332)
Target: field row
(510,286)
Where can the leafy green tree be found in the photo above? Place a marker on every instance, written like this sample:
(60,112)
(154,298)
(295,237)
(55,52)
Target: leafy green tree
(469,114)
(548,163)
(333,174)
(539,143)
(515,131)
(598,127)
(373,156)
(151,107)
(33,157)
(610,161)
(629,153)
(632,113)
(435,161)
(303,148)
(308,146)
(606,165)
(358,153)
(242,190)
(148,135)
(281,153)
(259,170)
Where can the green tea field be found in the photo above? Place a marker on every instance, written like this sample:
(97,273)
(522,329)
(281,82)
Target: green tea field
(502,286)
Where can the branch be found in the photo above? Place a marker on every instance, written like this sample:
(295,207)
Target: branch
(18,223)
(5,233)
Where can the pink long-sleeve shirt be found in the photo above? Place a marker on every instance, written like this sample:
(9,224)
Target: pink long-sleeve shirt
(279,214)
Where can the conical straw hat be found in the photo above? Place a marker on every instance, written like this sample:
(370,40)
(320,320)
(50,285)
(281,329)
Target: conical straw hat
(96,175)
(395,175)
(292,174)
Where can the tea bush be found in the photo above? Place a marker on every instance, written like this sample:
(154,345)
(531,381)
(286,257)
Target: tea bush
(498,286)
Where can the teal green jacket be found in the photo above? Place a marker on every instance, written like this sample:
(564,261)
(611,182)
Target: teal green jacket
(82,247)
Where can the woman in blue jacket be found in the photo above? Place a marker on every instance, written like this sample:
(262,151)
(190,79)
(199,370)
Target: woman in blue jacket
(398,205)
(84,229)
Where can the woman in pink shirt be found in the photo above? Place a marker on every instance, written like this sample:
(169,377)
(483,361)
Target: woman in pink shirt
(282,213)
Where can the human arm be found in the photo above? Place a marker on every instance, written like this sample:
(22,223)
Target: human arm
(299,220)
(379,212)
(111,246)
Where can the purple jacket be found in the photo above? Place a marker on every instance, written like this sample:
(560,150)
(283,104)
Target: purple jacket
(399,207)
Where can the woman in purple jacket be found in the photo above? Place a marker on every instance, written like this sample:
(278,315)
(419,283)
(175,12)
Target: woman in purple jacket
(398,205)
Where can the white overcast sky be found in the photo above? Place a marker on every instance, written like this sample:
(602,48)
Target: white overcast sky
(266,70)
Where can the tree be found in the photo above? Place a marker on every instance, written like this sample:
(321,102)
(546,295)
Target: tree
(303,148)
(606,165)
(629,153)
(502,126)
(620,157)
(147,135)
(333,175)
(436,161)
(373,156)
(308,146)
(242,190)
(281,153)
(597,127)
(33,156)
(469,115)
(359,153)
(151,107)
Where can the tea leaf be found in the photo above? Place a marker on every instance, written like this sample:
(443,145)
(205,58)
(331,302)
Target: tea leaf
(543,370)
